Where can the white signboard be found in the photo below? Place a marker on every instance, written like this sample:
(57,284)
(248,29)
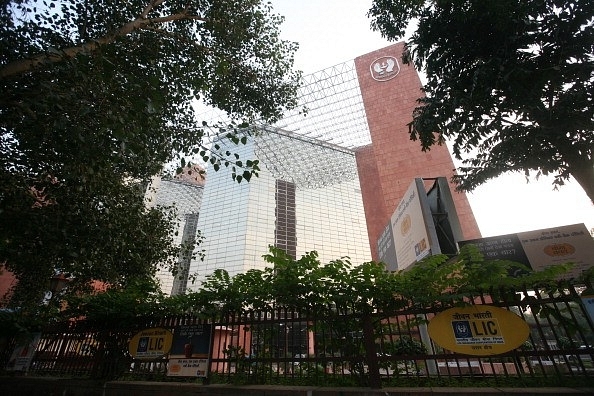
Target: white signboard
(411,239)
(22,355)
(187,367)
(542,248)
(571,243)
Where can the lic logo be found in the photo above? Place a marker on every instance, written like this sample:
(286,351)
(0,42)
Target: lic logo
(384,68)
(462,329)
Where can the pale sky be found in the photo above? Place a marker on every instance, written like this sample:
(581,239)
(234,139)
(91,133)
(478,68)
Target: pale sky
(330,32)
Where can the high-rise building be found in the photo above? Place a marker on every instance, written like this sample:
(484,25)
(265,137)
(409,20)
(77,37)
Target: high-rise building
(331,178)
(182,195)
(306,197)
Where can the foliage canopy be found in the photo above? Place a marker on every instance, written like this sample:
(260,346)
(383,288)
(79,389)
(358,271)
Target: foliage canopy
(97,95)
(308,284)
(510,81)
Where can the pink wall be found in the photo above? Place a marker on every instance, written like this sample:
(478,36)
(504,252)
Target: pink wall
(7,281)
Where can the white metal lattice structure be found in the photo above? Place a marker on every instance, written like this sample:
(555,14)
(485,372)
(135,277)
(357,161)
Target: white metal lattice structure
(334,111)
(307,162)
(329,119)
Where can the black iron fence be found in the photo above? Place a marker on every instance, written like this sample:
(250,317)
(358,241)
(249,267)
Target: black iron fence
(339,346)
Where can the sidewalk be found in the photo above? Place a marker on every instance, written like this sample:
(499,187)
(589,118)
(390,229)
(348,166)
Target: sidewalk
(41,386)
(271,390)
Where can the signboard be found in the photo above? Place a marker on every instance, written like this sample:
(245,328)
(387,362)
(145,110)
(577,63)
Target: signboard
(386,250)
(502,247)
(190,351)
(542,248)
(22,355)
(588,302)
(424,223)
(150,343)
(479,330)
(412,237)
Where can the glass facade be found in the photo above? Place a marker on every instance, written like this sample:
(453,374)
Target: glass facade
(185,199)
(299,203)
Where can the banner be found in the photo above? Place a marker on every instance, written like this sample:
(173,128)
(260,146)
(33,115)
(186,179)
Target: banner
(542,248)
(190,351)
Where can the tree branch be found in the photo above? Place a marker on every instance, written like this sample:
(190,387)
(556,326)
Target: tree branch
(26,65)
(149,8)
(176,36)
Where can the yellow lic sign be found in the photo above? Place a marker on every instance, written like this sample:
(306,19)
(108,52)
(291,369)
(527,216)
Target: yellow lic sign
(467,329)
(478,330)
(150,343)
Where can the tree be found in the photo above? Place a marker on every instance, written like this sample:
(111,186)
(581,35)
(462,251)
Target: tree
(510,81)
(308,284)
(97,95)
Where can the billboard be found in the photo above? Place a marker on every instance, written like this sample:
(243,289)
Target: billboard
(542,248)
(411,238)
(424,223)
(410,235)
(190,351)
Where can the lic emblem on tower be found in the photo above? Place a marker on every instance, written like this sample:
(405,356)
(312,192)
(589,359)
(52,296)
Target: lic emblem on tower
(384,68)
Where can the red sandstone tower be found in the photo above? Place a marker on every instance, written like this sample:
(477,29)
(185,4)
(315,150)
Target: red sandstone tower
(387,166)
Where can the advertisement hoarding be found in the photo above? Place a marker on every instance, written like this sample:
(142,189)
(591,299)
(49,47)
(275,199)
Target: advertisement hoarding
(410,234)
(542,248)
(190,351)
(412,227)
(424,223)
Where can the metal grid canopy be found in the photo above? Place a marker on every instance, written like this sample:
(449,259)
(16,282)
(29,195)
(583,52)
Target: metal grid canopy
(335,112)
(315,148)
(304,161)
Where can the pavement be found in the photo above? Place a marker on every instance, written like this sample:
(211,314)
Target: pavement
(46,386)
